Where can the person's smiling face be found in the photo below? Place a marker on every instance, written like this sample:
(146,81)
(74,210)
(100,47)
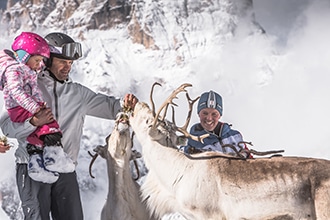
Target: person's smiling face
(209,118)
(61,68)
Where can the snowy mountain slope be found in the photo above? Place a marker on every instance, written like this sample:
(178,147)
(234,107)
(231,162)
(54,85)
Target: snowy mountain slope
(275,86)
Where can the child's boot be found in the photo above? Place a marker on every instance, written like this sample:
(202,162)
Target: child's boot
(36,168)
(55,159)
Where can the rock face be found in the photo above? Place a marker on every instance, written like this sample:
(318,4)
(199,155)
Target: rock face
(65,14)
(165,24)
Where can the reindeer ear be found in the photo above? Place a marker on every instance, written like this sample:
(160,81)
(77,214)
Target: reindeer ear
(181,141)
(101,150)
(155,134)
(135,155)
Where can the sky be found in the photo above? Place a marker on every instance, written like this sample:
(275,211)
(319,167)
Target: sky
(275,88)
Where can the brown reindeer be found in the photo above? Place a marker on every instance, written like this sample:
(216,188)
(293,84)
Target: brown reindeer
(123,200)
(211,185)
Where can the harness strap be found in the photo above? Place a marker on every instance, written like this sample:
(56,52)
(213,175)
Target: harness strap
(218,131)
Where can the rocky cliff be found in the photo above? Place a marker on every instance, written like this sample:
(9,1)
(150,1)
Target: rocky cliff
(165,24)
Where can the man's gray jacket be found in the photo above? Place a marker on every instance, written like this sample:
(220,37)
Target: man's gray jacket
(70,103)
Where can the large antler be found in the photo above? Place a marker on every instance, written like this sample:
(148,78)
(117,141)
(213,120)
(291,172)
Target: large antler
(151,99)
(183,129)
(169,101)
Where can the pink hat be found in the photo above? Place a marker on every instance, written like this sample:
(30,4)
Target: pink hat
(31,43)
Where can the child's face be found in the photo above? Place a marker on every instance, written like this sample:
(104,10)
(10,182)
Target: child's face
(34,62)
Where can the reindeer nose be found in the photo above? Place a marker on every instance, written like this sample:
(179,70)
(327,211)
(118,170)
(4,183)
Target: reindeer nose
(122,126)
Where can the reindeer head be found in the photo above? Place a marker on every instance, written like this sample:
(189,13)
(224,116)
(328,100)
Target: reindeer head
(151,125)
(120,138)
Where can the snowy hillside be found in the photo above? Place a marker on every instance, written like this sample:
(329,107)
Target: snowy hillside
(275,86)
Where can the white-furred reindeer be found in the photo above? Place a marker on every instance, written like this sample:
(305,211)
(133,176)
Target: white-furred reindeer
(212,185)
(123,200)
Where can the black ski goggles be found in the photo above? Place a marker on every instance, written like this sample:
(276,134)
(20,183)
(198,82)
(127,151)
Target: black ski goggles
(72,50)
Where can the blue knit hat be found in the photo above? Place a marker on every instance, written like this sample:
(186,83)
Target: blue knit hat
(22,56)
(210,100)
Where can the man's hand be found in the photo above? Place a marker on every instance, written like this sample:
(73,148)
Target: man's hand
(4,146)
(43,116)
(129,102)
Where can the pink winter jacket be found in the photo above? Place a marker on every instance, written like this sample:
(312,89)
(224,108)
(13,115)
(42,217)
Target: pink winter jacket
(18,83)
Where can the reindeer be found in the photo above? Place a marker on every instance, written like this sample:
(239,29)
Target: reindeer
(123,200)
(211,185)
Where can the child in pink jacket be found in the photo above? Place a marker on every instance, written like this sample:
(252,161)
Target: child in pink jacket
(23,99)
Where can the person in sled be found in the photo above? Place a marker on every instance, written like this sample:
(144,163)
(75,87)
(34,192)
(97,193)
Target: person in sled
(23,99)
(222,137)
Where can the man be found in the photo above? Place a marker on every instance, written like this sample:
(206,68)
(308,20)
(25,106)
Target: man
(68,103)
(221,135)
